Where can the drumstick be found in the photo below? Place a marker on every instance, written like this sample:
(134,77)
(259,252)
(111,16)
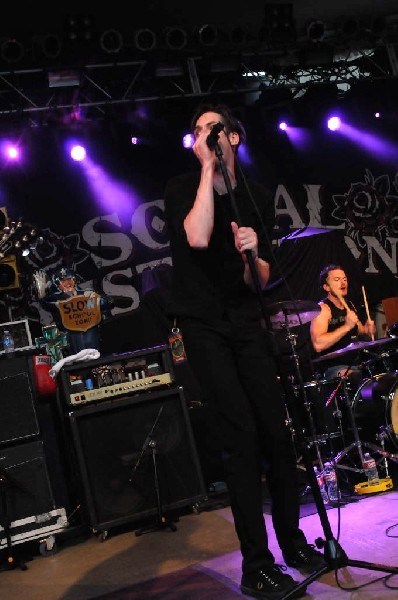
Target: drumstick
(367,309)
(343,302)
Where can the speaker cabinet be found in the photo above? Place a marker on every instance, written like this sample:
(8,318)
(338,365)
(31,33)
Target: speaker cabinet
(18,413)
(130,448)
(24,483)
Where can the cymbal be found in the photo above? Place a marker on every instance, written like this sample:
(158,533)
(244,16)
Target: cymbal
(355,347)
(292,313)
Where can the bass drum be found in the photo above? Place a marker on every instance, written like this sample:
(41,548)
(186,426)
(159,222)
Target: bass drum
(375,409)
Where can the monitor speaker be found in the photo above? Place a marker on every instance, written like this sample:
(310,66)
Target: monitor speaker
(136,455)
(24,483)
(18,413)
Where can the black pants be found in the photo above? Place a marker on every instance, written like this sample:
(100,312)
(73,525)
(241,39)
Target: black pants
(237,374)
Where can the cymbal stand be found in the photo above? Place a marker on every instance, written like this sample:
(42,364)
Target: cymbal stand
(292,338)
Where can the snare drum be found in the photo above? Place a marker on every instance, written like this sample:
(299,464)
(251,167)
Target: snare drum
(375,408)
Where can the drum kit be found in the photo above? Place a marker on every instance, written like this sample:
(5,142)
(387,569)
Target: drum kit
(361,402)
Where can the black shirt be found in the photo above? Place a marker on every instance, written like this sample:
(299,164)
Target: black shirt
(338,316)
(208,283)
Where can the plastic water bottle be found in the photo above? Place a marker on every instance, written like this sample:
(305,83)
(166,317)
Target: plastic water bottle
(370,469)
(8,342)
(330,477)
(321,483)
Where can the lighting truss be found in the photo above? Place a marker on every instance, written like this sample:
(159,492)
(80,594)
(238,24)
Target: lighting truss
(117,84)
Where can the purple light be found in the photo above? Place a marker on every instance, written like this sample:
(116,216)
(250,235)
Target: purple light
(377,115)
(135,140)
(188,140)
(334,123)
(11,151)
(78,152)
(282,125)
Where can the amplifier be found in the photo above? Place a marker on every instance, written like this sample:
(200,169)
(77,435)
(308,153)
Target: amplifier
(116,375)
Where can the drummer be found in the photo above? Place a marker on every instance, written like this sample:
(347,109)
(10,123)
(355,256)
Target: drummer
(337,324)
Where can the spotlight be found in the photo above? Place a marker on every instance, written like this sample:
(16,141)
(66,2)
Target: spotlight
(12,152)
(175,38)
(145,40)
(348,27)
(11,50)
(283,125)
(78,152)
(188,140)
(51,46)
(278,19)
(111,41)
(79,28)
(316,31)
(207,35)
(334,123)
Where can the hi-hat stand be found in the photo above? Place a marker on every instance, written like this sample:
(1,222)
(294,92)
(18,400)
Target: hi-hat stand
(162,522)
(334,555)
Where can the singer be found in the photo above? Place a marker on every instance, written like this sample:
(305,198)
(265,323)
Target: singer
(338,324)
(214,302)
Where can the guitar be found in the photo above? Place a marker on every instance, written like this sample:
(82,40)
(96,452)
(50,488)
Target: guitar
(17,237)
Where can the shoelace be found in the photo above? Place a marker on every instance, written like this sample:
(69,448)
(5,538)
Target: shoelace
(274,577)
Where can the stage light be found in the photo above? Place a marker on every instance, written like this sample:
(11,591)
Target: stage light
(11,50)
(377,115)
(188,140)
(12,152)
(207,35)
(145,40)
(315,30)
(175,38)
(78,152)
(348,27)
(51,46)
(279,21)
(79,28)
(111,41)
(283,125)
(334,123)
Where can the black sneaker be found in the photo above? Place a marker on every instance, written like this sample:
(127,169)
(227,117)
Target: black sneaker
(305,558)
(269,583)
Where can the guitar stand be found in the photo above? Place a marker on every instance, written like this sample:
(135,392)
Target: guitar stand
(11,561)
(162,522)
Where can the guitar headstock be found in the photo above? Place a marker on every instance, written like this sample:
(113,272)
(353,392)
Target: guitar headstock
(18,236)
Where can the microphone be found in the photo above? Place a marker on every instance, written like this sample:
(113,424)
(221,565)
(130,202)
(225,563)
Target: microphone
(212,138)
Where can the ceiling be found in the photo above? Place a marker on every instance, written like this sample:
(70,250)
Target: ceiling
(91,61)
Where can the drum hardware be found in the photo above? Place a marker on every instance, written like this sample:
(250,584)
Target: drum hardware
(292,313)
(287,310)
(357,444)
(356,348)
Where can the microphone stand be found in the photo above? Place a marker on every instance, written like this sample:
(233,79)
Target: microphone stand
(334,555)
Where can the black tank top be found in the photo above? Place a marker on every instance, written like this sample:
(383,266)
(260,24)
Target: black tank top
(337,320)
